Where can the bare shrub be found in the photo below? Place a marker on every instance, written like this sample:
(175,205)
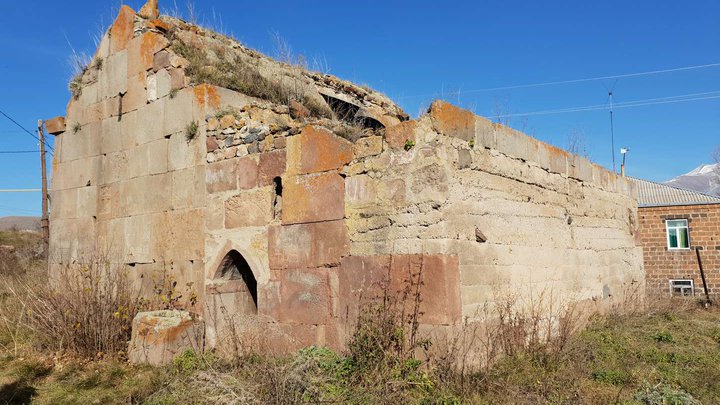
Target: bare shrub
(86,310)
(577,143)
(384,348)
(535,325)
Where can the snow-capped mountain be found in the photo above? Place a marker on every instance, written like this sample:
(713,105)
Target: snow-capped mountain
(705,179)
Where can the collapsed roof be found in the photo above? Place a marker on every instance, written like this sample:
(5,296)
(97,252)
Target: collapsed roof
(216,59)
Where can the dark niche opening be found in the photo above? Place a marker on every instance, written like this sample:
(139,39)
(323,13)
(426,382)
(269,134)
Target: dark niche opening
(234,267)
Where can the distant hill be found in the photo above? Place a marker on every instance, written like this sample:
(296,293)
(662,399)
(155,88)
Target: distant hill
(705,179)
(20,223)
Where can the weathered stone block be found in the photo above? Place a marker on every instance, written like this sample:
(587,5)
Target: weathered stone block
(161,60)
(440,290)
(183,154)
(484,133)
(136,95)
(373,277)
(247,171)
(122,29)
(369,146)
(179,111)
(87,201)
(152,87)
(157,155)
(398,135)
(164,85)
(514,143)
(150,10)
(270,165)
(305,296)
(207,98)
(55,126)
(307,245)
(84,143)
(141,52)
(452,121)
(250,208)
(159,336)
(221,176)
(315,150)
(114,78)
(313,198)
(149,123)
(178,236)
(185,190)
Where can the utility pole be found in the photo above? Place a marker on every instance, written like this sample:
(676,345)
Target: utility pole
(612,130)
(44,222)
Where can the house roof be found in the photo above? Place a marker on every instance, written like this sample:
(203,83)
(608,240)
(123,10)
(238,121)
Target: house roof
(651,194)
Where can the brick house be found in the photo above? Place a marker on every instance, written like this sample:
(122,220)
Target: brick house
(679,231)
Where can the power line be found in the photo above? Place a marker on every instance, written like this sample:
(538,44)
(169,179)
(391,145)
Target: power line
(11,152)
(627,104)
(20,190)
(589,79)
(24,129)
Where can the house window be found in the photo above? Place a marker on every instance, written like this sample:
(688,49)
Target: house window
(682,288)
(678,234)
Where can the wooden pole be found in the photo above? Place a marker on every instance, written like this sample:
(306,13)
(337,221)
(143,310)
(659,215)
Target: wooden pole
(702,275)
(44,222)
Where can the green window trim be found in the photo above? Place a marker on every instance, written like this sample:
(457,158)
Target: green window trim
(678,234)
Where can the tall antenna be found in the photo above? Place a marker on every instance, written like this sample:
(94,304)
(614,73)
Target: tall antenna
(612,130)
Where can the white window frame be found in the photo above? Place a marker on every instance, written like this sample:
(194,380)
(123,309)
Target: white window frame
(692,287)
(667,233)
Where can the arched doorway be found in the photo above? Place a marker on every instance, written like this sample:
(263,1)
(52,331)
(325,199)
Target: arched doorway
(236,277)
(231,304)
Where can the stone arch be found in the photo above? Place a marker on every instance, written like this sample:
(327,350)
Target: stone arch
(235,282)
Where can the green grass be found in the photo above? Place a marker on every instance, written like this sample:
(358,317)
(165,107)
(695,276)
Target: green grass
(670,358)
(615,360)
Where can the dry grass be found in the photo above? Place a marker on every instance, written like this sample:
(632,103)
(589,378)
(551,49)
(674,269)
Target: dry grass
(225,68)
(526,350)
(87,310)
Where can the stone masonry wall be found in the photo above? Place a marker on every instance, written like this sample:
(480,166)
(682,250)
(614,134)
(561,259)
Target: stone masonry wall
(315,216)
(663,265)
(127,183)
(518,216)
(475,210)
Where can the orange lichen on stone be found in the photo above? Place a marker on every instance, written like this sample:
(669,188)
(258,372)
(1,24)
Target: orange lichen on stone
(452,121)
(316,149)
(159,25)
(206,95)
(313,198)
(151,43)
(398,135)
(142,50)
(122,29)
(150,10)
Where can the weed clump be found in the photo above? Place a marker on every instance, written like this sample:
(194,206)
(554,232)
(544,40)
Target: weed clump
(191,131)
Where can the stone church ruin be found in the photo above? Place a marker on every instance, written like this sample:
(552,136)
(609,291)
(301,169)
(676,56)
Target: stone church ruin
(277,197)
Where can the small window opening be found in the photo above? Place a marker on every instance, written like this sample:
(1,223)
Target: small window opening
(277,200)
(235,267)
(678,234)
(682,288)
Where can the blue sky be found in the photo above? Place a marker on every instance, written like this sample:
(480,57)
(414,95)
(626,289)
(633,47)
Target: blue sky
(417,50)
